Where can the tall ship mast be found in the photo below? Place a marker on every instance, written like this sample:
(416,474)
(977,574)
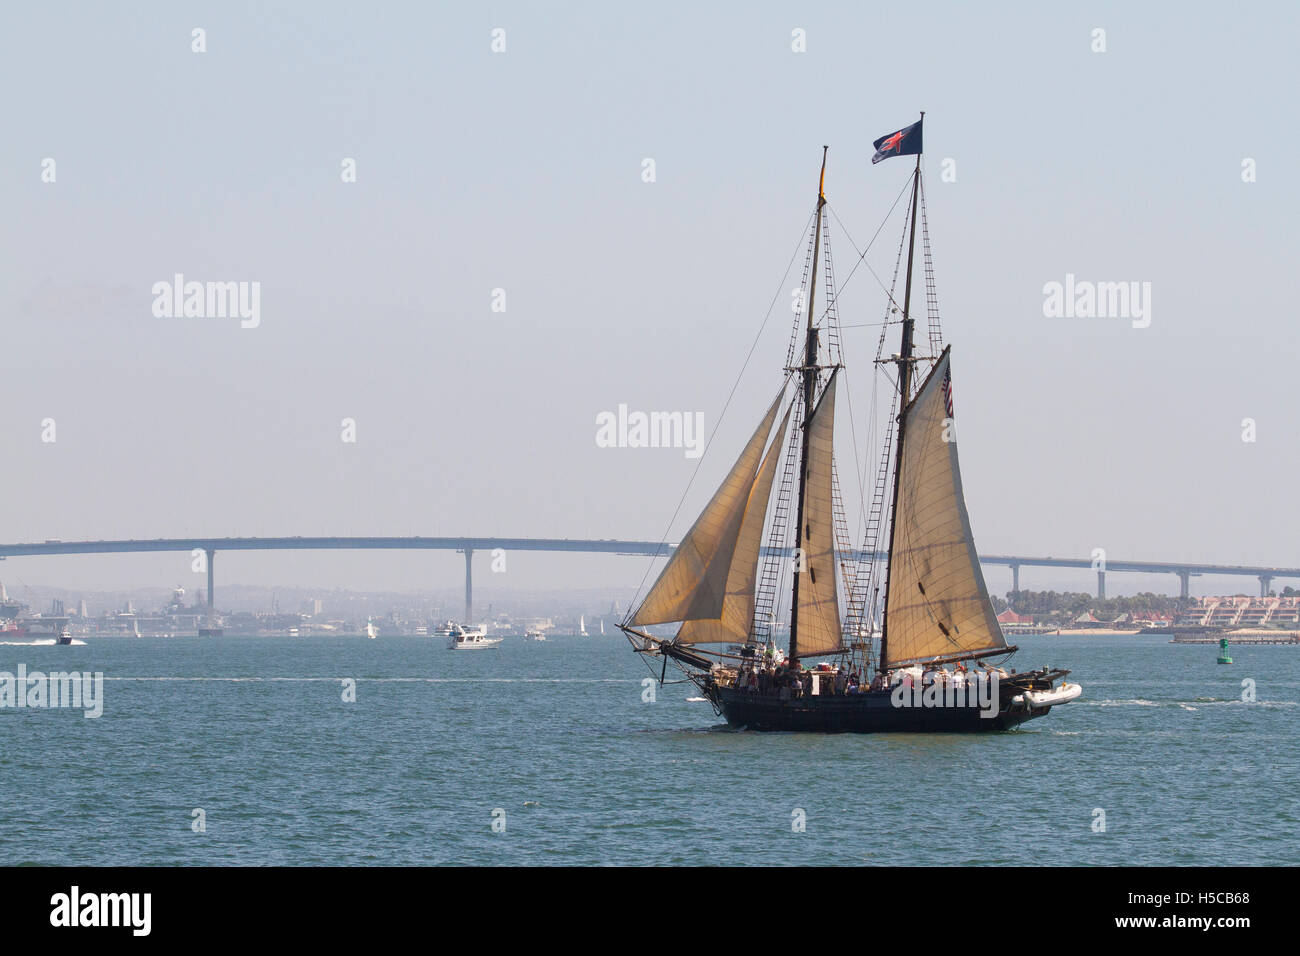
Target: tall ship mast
(927,654)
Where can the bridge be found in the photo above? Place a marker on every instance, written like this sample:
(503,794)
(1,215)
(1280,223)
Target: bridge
(467,546)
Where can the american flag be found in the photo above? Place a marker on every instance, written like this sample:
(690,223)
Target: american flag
(947,390)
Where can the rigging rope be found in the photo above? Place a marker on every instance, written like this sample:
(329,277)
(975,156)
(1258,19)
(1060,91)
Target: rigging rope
(721,415)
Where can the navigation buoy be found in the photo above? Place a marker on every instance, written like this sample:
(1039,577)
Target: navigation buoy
(1223,651)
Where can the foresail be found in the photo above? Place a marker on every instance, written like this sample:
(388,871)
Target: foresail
(693,584)
(819,607)
(733,626)
(938,604)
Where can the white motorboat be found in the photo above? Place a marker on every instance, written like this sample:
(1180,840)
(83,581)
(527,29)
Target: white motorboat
(470,638)
(1062,694)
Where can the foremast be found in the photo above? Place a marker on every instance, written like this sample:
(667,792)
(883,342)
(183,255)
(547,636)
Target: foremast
(808,374)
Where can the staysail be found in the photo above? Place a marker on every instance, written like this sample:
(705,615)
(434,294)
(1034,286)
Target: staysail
(738,607)
(938,604)
(818,629)
(693,584)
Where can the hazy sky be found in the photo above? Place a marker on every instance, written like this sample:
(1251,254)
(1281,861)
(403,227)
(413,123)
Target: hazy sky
(522,171)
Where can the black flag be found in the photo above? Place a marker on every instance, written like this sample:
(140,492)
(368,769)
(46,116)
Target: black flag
(906,142)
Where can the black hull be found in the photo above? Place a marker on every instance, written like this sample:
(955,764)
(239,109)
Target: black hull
(870,713)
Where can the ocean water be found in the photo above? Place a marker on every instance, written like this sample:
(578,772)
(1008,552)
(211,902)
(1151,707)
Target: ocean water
(556,739)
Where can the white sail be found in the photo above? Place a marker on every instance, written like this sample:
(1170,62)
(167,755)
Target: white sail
(937,604)
(818,627)
(737,617)
(693,584)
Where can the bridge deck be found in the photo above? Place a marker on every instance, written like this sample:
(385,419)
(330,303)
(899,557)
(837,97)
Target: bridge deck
(589,546)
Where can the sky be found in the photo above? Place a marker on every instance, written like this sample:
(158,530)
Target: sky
(522,171)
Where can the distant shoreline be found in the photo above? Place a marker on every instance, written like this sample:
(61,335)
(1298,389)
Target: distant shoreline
(1157,632)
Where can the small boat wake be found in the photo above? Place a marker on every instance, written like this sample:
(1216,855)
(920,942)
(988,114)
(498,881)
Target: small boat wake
(1190,705)
(387,680)
(41,642)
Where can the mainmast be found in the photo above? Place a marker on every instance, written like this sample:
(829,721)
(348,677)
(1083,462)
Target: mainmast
(904,389)
(808,372)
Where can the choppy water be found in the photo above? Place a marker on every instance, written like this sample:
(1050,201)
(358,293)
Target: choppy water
(255,732)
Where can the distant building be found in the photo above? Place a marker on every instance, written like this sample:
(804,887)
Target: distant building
(1151,619)
(1239,610)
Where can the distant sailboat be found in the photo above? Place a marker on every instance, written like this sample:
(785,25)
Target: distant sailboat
(371,632)
(582,626)
(936,606)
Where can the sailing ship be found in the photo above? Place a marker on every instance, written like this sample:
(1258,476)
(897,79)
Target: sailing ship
(10,610)
(371,631)
(923,654)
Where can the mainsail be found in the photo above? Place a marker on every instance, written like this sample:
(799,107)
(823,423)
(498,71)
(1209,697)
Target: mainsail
(937,603)
(818,629)
(738,608)
(693,584)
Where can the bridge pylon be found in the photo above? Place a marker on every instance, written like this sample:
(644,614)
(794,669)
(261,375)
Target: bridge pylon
(469,587)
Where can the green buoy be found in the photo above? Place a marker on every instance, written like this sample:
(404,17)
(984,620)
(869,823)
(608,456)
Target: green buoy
(1223,651)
